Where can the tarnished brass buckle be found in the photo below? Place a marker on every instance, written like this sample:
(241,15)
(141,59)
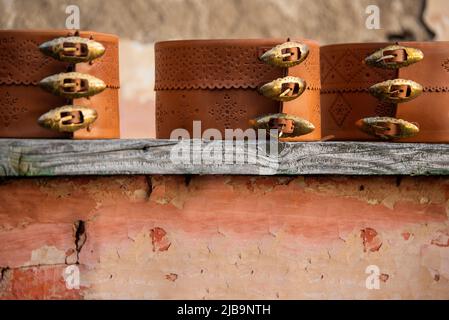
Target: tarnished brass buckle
(283,89)
(73,49)
(394,57)
(73,85)
(396,91)
(68,118)
(286,55)
(282,124)
(387,128)
(288,126)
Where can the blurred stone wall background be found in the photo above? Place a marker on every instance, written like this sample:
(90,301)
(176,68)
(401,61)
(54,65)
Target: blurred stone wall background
(142,22)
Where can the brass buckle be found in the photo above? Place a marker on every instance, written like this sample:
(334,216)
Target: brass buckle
(387,128)
(394,57)
(73,49)
(286,55)
(282,124)
(283,89)
(72,85)
(288,126)
(397,90)
(68,118)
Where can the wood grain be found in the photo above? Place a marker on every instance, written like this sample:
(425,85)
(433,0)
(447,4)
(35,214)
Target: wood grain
(111,157)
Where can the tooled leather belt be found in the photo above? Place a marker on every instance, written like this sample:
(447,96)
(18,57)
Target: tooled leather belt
(236,84)
(58,84)
(390,91)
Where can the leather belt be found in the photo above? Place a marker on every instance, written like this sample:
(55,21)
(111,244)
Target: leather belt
(235,84)
(59,84)
(386,91)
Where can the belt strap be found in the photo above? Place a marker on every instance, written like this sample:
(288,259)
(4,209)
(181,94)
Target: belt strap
(224,64)
(405,80)
(74,67)
(281,70)
(22,63)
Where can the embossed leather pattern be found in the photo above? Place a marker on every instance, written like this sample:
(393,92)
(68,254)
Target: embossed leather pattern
(345,98)
(22,66)
(215,81)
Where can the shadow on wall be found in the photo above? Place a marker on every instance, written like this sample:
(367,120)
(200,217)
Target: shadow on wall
(142,22)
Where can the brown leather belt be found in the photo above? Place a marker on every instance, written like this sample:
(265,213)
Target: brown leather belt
(233,84)
(59,84)
(390,91)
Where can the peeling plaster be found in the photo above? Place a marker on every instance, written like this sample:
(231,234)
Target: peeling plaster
(304,238)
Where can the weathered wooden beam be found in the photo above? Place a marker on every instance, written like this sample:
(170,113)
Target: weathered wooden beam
(23,157)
